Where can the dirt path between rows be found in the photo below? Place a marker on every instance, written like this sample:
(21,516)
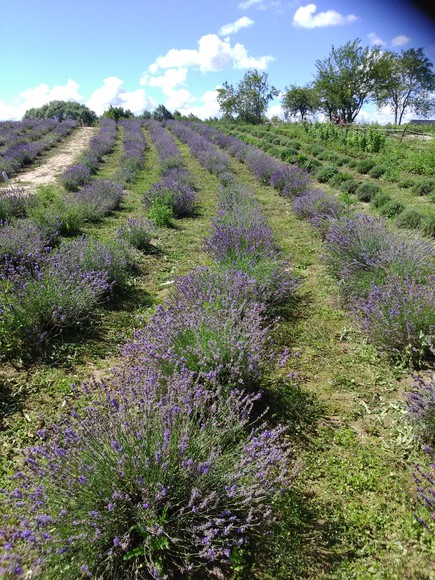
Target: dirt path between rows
(65,154)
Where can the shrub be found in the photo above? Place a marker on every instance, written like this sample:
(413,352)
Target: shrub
(160,212)
(318,207)
(325,173)
(75,176)
(309,164)
(316,149)
(288,154)
(380,198)
(176,189)
(37,306)
(424,187)
(90,255)
(366,191)
(15,203)
(99,198)
(365,165)
(391,209)
(406,183)
(377,171)
(428,224)
(421,409)
(147,484)
(399,317)
(409,218)
(137,231)
(22,243)
(350,186)
(338,179)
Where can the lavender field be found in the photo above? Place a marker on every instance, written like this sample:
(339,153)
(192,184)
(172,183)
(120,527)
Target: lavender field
(213,362)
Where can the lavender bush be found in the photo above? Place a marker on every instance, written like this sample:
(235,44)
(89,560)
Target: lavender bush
(318,208)
(112,258)
(75,176)
(137,231)
(421,409)
(177,191)
(15,203)
(38,304)
(399,317)
(22,243)
(146,484)
(98,198)
(227,346)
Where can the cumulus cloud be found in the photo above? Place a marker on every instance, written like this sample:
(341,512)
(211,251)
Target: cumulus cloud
(208,107)
(213,54)
(305,17)
(243,22)
(400,40)
(171,78)
(38,96)
(375,39)
(112,93)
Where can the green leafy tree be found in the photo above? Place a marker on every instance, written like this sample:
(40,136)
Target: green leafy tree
(62,110)
(161,113)
(248,102)
(300,101)
(348,78)
(117,113)
(410,84)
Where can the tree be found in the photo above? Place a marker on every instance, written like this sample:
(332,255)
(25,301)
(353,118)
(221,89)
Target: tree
(161,113)
(411,82)
(300,101)
(349,77)
(117,113)
(62,110)
(249,101)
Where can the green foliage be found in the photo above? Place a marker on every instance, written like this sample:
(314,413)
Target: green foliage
(409,85)
(325,173)
(365,165)
(248,103)
(377,171)
(380,198)
(62,110)
(117,113)
(348,78)
(391,209)
(366,191)
(409,218)
(161,113)
(300,101)
(161,213)
(424,187)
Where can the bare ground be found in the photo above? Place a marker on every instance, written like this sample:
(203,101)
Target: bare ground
(52,166)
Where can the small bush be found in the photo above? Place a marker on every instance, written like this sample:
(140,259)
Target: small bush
(161,213)
(323,175)
(365,165)
(421,409)
(316,149)
(350,186)
(137,231)
(424,187)
(409,218)
(366,191)
(338,179)
(377,171)
(75,176)
(428,224)
(309,164)
(380,198)
(399,317)
(406,183)
(391,209)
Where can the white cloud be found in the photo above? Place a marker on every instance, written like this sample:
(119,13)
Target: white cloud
(305,18)
(208,108)
(243,22)
(38,96)
(249,3)
(171,78)
(213,54)
(112,93)
(400,40)
(375,39)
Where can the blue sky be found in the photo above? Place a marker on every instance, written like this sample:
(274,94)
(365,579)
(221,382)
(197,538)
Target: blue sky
(142,53)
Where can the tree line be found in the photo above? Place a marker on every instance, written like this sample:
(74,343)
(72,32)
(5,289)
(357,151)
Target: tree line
(347,79)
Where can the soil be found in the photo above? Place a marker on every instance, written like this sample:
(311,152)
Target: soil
(55,163)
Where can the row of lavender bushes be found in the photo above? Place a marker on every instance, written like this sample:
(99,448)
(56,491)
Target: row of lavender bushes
(166,473)
(22,141)
(47,290)
(174,195)
(387,280)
